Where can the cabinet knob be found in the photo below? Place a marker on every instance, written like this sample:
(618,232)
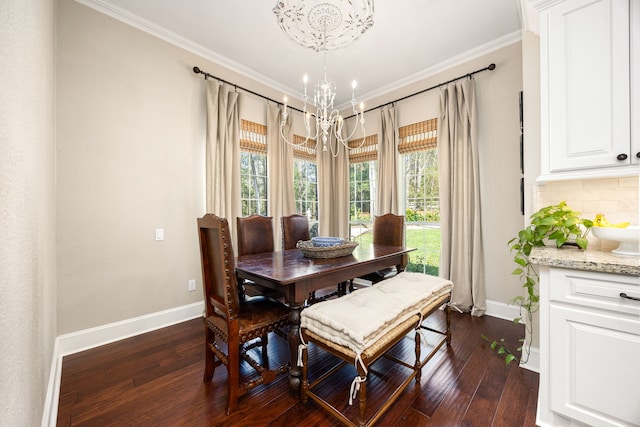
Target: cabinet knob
(638,154)
(623,295)
(622,156)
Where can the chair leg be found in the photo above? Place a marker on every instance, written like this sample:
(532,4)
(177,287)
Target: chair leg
(233,374)
(342,289)
(264,340)
(209,357)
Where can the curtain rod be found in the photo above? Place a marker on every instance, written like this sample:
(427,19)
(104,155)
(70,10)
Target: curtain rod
(199,71)
(490,67)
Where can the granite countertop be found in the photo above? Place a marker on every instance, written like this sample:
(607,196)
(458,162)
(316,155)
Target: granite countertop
(589,260)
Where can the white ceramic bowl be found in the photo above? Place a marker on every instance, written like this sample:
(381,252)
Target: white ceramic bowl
(628,237)
(323,242)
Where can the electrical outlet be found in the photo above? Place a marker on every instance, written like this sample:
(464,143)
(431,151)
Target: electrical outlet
(159,234)
(192,285)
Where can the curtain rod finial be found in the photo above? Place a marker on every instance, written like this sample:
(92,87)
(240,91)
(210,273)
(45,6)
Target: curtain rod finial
(491,67)
(196,70)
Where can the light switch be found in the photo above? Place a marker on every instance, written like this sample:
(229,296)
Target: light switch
(159,234)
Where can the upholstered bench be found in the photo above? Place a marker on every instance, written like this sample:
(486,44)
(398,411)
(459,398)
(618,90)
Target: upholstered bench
(363,326)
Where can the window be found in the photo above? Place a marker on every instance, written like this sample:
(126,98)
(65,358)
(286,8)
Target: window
(305,181)
(253,168)
(363,172)
(418,145)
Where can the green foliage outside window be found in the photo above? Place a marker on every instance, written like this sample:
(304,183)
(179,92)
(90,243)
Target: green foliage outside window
(412,215)
(253,183)
(305,188)
(362,191)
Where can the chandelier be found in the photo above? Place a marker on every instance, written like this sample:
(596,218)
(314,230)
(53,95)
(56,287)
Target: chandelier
(324,25)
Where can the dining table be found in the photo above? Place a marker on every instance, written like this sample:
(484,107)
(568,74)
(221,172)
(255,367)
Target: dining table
(296,276)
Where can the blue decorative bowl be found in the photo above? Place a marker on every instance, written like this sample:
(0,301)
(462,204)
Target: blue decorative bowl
(324,242)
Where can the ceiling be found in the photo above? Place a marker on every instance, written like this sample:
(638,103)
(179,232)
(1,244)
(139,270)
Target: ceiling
(409,39)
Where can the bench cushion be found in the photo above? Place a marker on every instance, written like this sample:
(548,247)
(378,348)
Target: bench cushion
(358,320)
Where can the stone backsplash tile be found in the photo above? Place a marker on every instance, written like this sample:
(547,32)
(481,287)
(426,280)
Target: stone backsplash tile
(616,198)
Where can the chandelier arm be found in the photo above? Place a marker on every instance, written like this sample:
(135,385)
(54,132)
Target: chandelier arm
(345,141)
(283,124)
(364,131)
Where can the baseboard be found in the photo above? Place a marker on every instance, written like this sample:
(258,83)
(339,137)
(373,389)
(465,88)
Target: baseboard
(510,312)
(50,412)
(533,364)
(94,337)
(502,310)
(105,334)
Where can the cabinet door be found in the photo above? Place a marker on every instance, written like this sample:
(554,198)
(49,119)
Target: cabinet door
(588,84)
(594,374)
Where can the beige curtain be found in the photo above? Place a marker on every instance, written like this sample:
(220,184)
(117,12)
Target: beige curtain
(333,190)
(223,152)
(280,167)
(388,166)
(461,247)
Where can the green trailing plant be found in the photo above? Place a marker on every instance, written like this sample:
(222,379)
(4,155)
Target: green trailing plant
(557,223)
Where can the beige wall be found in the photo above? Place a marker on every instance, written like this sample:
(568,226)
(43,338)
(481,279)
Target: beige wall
(27,228)
(130,132)
(531,132)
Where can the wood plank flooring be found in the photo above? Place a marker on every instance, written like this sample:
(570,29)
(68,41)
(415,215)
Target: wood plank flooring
(155,379)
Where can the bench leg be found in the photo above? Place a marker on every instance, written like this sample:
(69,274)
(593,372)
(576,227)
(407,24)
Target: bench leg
(418,367)
(448,312)
(362,403)
(305,382)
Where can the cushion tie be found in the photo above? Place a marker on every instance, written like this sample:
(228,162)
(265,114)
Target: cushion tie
(355,384)
(355,387)
(419,329)
(301,347)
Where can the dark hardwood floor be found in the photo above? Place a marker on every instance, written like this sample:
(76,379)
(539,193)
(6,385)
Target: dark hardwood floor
(155,379)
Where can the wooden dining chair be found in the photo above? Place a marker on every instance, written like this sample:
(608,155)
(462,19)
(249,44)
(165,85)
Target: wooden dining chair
(242,325)
(294,228)
(255,236)
(388,229)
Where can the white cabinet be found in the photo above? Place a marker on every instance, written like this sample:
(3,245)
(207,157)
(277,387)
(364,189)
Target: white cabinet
(588,112)
(589,348)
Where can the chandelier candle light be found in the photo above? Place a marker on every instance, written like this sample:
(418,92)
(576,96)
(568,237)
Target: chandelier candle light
(323,25)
